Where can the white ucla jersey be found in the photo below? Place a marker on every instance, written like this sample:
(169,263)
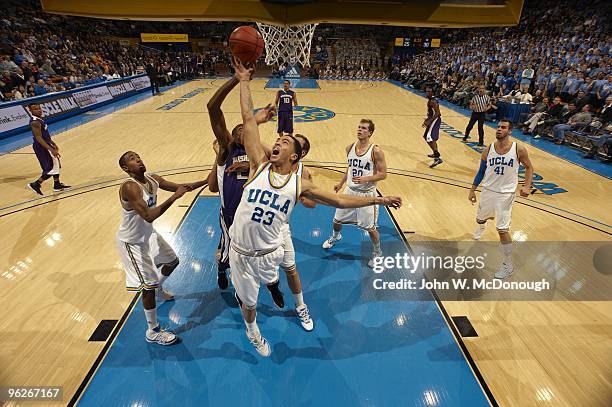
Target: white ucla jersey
(360,166)
(264,210)
(299,171)
(133,228)
(501,174)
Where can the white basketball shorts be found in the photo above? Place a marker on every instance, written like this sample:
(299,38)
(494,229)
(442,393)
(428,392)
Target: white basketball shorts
(365,218)
(498,206)
(141,261)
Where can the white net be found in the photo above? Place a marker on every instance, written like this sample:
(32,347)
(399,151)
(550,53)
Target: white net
(287,44)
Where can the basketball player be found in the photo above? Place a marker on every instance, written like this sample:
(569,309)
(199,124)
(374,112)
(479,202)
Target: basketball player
(285,100)
(288,263)
(142,250)
(366,166)
(229,183)
(499,168)
(432,127)
(269,196)
(47,152)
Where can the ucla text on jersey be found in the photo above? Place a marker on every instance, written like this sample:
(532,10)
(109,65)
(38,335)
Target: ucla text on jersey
(269,199)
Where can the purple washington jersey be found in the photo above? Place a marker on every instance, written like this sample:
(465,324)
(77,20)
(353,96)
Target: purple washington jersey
(42,154)
(231,185)
(285,102)
(44,130)
(430,110)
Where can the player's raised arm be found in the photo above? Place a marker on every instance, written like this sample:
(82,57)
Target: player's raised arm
(311,191)
(217,119)
(132,193)
(524,159)
(251,139)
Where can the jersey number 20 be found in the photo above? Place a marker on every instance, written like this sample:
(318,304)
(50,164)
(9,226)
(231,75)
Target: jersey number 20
(259,212)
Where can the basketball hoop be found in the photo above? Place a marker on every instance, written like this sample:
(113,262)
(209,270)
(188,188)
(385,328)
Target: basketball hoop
(287,44)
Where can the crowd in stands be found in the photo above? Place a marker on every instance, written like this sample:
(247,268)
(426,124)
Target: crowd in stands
(42,53)
(557,59)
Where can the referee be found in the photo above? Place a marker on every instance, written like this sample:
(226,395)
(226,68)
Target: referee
(479,104)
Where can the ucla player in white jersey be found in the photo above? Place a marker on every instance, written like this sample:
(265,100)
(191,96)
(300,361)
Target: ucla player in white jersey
(269,197)
(499,168)
(366,166)
(147,259)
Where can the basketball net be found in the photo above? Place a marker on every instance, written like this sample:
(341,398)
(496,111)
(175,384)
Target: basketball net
(287,44)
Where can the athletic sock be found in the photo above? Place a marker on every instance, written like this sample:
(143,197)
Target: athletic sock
(252,328)
(299,299)
(376,247)
(335,234)
(162,278)
(507,249)
(151,316)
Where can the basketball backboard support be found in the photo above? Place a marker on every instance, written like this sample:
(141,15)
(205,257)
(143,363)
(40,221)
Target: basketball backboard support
(422,13)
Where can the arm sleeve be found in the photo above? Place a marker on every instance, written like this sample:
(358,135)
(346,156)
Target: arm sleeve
(481,172)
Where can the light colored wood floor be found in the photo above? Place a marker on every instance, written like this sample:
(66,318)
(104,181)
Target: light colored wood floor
(59,273)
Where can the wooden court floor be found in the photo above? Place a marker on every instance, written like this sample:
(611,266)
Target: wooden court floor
(60,275)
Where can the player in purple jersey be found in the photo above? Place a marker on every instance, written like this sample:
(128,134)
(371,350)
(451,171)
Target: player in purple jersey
(224,179)
(47,152)
(432,127)
(285,100)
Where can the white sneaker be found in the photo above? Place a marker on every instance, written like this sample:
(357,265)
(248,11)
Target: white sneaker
(305,320)
(162,296)
(329,243)
(479,231)
(374,255)
(260,344)
(160,336)
(505,270)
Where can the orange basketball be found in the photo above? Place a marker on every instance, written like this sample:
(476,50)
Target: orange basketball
(246,44)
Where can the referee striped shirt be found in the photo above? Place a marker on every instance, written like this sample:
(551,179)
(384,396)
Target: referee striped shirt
(480,103)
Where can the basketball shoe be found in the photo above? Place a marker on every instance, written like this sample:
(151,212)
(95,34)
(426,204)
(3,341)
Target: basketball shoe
(304,316)
(329,243)
(259,342)
(374,256)
(505,270)
(160,336)
(35,186)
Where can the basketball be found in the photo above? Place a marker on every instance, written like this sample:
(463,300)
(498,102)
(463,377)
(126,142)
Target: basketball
(246,44)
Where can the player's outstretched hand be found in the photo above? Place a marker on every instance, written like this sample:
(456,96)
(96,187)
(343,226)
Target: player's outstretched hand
(337,187)
(180,191)
(472,197)
(238,167)
(392,201)
(242,72)
(265,115)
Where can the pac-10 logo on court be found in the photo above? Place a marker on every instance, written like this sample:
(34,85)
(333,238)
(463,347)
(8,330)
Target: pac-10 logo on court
(309,114)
